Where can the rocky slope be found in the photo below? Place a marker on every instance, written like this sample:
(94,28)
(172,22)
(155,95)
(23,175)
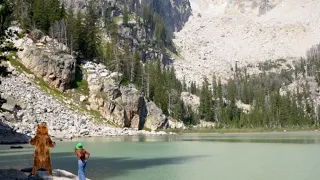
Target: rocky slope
(36,106)
(58,174)
(221,33)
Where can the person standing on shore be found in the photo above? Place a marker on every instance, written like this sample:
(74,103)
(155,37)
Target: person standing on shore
(82,160)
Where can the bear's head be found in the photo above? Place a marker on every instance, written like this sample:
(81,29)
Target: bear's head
(42,129)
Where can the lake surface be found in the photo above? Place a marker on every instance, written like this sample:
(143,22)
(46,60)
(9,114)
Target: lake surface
(261,156)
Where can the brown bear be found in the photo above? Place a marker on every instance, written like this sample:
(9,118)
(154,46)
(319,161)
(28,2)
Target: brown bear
(42,143)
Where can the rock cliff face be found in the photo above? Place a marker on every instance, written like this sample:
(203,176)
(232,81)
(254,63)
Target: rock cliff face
(175,12)
(122,105)
(58,70)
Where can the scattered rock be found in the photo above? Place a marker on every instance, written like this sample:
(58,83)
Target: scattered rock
(82,98)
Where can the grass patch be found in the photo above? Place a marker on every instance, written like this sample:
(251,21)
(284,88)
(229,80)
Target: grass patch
(125,82)
(80,83)
(14,62)
(117,19)
(46,56)
(146,129)
(20,35)
(172,54)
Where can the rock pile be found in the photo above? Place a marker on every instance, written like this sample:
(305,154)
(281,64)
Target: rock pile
(123,105)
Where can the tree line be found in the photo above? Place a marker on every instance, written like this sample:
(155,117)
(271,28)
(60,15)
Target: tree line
(272,105)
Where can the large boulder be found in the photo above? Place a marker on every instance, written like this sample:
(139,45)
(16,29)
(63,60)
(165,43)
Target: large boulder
(122,105)
(43,59)
(191,100)
(58,174)
(155,118)
(174,124)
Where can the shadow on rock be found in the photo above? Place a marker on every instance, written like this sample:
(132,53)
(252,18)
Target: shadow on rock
(9,136)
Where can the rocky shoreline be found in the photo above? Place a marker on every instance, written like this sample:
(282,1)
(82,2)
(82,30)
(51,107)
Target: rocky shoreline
(58,174)
(36,106)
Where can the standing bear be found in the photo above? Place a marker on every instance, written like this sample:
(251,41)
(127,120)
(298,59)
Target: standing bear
(42,143)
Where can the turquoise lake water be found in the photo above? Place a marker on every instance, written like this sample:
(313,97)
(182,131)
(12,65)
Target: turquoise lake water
(262,156)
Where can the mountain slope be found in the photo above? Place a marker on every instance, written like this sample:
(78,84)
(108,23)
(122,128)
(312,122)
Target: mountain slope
(221,33)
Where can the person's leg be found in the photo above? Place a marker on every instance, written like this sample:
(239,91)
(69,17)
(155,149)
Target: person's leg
(81,166)
(84,166)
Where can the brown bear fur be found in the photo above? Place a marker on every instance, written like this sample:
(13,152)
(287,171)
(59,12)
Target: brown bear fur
(42,143)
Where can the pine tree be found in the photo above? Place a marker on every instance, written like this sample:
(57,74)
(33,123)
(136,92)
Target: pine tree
(5,13)
(206,109)
(184,84)
(22,12)
(63,13)
(125,62)
(53,11)
(125,16)
(137,69)
(71,25)
(40,17)
(181,112)
(220,93)
(90,48)
(214,87)
(79,35)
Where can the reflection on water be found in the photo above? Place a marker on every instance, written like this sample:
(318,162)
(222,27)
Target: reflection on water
(288,141)
(286,138)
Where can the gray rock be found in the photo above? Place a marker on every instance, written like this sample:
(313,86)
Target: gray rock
(8,107)
(20,114)
(7,174)
(190,100)
(57,70)
(155,118)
